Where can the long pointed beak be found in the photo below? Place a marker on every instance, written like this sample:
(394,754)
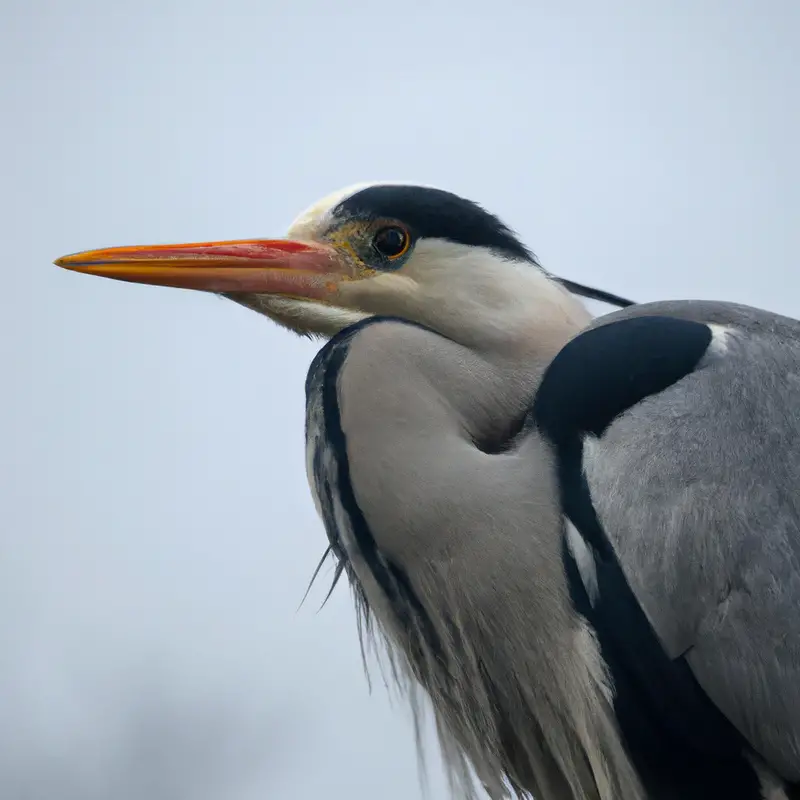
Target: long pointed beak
(266,266)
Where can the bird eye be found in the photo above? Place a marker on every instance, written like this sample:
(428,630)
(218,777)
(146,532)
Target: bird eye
(391,242)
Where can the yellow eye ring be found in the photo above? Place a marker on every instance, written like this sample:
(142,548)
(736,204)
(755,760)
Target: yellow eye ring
(391,242)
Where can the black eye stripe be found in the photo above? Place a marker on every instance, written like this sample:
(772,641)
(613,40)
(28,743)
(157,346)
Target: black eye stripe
(434,214)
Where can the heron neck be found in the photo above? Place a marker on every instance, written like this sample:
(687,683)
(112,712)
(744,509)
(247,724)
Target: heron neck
(496,390)
(480,393)
(491,387)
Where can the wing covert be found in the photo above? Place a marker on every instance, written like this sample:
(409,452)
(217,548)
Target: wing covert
(681,455)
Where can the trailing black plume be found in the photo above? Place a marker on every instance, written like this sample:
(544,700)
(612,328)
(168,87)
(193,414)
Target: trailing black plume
(595,294)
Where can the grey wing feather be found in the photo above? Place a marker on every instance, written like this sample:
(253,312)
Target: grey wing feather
(698,488)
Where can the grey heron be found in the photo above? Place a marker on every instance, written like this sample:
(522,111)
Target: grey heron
(580,537)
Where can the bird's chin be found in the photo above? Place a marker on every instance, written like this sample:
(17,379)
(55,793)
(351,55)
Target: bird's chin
(304,317)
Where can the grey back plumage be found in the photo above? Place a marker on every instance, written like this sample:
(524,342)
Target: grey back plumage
(698,488)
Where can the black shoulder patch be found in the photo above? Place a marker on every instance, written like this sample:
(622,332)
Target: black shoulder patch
(436,214)
(609,369)
(596,377)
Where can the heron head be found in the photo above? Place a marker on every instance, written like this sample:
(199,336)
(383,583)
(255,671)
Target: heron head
(414,252)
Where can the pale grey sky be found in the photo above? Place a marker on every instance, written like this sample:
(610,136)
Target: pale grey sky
(157,533)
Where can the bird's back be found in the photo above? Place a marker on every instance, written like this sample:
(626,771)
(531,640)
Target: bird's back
(698,488)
